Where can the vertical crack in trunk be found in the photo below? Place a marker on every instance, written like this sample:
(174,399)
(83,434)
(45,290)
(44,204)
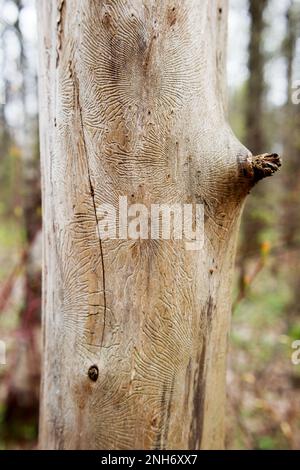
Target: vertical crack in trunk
(92,191)
(59,28)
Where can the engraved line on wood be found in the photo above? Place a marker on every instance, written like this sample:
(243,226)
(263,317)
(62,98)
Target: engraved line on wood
(59,26)
(76,84)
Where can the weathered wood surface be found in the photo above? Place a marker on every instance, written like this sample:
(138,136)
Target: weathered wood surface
(132,103)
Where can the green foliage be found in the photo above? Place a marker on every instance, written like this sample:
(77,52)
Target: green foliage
(266,443)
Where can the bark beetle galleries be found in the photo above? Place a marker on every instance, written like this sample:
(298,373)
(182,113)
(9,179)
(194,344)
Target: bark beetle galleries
(129,58)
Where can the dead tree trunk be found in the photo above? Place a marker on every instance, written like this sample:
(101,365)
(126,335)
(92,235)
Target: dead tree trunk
(135,331)
(255,138)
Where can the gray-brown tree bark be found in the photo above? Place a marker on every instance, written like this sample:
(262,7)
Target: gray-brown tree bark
(135,331)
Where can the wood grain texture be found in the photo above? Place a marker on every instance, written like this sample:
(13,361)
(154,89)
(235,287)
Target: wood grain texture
(133,103)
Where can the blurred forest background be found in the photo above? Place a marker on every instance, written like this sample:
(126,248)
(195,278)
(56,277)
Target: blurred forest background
(263,384)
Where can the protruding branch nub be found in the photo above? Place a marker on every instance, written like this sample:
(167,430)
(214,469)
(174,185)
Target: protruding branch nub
(265,165)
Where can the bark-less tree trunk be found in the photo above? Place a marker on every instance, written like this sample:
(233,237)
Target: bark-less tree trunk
(135,331)
(255,138)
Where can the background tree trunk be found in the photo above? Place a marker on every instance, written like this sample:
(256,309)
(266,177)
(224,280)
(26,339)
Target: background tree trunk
(132,104)
(290,129)
(255,138)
